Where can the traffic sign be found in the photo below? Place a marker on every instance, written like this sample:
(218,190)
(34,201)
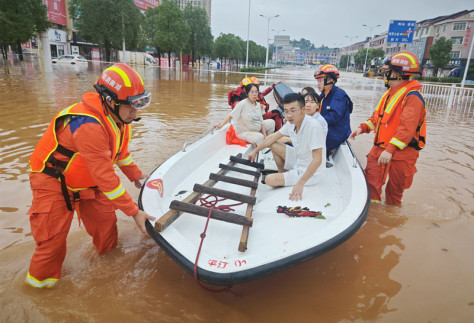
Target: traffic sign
(401,31)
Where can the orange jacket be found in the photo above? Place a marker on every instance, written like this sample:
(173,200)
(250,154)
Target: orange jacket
(399,121)
(97,143)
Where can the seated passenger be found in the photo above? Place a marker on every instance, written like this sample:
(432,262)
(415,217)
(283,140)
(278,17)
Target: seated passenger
(249,124)
(336,106)
(307,89)
(312,102)
(300,164)
(238,95)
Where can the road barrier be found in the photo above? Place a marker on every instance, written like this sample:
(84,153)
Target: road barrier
(450,100)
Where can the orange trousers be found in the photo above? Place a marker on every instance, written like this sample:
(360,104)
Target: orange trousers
(50,221)
(400,176)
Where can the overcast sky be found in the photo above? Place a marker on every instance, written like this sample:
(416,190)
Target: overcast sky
(323,22)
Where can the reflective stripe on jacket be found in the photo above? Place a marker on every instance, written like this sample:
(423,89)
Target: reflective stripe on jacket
(386,118)
(96,144)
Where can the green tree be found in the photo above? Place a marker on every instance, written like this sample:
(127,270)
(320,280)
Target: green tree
(302,44)
(106,22)
(150,29)
(440,53)
(359,57)
(173,30)
(19,21)
(343,61)
(200,37)
(225,45)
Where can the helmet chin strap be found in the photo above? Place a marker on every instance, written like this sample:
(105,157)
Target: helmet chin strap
(326,82)
(388,78)
(115,110)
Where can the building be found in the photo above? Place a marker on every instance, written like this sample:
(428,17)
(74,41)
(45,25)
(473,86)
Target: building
(316,56)
(205,4)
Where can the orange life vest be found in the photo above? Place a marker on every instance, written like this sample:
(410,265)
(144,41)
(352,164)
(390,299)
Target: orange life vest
(387,118)
(74,171)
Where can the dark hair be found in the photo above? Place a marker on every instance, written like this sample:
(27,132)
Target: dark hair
(314,96)
(294,97)
(308,89)
(248,87)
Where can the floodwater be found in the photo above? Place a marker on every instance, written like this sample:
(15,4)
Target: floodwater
(408,264)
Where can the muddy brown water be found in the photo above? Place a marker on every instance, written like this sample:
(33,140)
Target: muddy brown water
(408,264)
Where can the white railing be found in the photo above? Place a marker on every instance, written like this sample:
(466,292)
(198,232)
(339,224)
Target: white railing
(449,100)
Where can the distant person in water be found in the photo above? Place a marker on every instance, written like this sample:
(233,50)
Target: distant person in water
(249,124)
(301,164)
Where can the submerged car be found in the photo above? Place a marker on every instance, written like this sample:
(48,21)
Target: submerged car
(69,59)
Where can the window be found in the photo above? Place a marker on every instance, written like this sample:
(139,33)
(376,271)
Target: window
(416,33)
(455,54)
(459,26)
(457,40)
(426,31)
(444,27)
(437,29)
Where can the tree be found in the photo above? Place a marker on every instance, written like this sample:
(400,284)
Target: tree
(200,37)
(225,45)
(440,53)
(106,22)
(343,62)
(172,30)
(359,57)
(302,44)
(19,21)
(150,29)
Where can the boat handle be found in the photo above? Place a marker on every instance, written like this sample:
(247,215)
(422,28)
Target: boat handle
(190,141)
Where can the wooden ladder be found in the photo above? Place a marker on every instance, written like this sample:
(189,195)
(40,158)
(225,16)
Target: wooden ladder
(187,205)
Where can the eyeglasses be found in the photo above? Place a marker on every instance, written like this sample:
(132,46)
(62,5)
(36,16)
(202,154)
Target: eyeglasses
(288,112)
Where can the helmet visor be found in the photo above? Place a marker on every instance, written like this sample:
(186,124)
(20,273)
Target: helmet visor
(139,101)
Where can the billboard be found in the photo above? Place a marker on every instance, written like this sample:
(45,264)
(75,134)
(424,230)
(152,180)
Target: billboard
(56,11)
(401,31)
(144,4)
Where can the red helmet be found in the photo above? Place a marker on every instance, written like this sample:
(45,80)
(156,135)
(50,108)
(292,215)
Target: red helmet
(405,63)
(327,70)
(249,80)
(123,85)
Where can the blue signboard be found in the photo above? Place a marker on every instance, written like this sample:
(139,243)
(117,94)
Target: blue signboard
(401,31)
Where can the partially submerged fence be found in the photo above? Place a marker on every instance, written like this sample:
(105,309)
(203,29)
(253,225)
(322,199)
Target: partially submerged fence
(451,100)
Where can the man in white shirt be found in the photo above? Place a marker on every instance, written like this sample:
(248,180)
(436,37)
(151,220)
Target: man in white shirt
(301,164)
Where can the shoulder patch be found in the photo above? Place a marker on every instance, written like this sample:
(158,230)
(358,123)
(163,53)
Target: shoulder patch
(77,121)
(418,94)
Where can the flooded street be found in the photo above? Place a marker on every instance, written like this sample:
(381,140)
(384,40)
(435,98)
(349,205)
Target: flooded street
(408,264)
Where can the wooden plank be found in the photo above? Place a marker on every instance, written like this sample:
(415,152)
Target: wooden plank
(239,170)
(247,162)
(224,193)
(216,214)
(248,214)
(169,217)
(233,180)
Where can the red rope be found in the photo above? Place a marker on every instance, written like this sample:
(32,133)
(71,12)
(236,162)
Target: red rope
(212,205)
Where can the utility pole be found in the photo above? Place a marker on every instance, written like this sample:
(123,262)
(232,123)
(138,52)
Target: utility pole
(370,37)
(268,35)
(248,39)
(124,59)
(350,56)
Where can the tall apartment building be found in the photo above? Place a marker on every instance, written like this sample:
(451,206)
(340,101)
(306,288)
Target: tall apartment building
(205,4)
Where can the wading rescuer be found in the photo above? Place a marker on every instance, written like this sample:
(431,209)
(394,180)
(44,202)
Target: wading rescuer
(72,169)
(399,123)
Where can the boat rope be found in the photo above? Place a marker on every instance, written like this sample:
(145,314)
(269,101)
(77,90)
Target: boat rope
(212,206)
(226,208)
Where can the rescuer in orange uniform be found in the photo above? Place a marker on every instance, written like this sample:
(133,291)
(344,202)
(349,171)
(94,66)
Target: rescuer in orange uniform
(72,169)
(399,123)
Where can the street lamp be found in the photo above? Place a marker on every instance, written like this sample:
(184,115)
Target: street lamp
(370,37)
(350,56)
(268,35)
(278,31)
(248,39)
